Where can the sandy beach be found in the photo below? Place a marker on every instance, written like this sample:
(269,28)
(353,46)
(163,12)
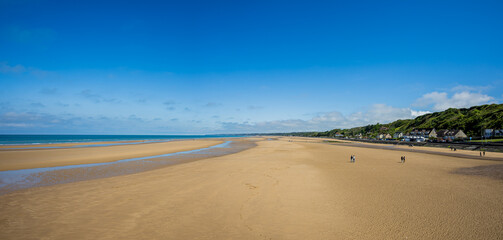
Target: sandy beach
(13,159)
(63,145)
(283,188)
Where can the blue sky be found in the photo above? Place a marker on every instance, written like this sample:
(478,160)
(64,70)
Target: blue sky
(194,67)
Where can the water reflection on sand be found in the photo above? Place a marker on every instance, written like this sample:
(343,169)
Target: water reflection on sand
(26,178)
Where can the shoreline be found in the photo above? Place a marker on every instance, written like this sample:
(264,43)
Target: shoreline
(15,180)
(9,141)
(76,145)
(68,144)
(16,159)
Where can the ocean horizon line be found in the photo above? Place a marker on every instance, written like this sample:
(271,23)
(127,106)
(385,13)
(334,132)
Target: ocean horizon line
(35,139)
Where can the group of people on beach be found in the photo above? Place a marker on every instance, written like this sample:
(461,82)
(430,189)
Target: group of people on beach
(352,159)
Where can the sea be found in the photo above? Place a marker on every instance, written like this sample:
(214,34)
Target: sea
(47,139)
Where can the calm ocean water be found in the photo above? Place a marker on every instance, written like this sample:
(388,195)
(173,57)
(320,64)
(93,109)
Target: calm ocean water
(43,139)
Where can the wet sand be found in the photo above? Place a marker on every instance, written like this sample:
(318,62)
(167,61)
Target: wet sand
(15,180)
(13,159)
(55,145)
(276,190)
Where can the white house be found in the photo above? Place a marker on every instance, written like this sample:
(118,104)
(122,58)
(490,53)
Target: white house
(409,138)
(419,135)
(398,135)
(450,135)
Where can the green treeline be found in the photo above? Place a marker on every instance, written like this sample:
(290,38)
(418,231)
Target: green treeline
(470,120)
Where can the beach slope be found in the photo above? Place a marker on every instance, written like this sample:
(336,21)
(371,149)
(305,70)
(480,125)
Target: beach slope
(14,159)
(280,189)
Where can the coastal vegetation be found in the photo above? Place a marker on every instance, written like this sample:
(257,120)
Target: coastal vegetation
(471,120)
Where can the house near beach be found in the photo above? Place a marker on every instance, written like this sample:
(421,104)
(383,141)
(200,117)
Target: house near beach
(489,133)
(338,134)
(450,135)
(432,134)
(398,135)
(419,135)
(384,136)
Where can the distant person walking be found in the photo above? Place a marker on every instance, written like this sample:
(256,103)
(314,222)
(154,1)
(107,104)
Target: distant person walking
(402,159)
(484,153)
(354,158)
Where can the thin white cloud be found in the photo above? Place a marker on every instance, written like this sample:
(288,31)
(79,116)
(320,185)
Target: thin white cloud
(461,97)
(25,119)
(37,105)
(326,121)
(60,104)
(33,122)
(463,88)
(212,104)
(16,125)
(6,68)
(97,98)
(441,101)
(252,107)
(89,94)
(418,113)
(10,120)
(170,105)
(383,113)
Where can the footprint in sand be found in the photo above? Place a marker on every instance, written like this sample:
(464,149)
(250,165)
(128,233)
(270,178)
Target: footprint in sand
(251,186)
